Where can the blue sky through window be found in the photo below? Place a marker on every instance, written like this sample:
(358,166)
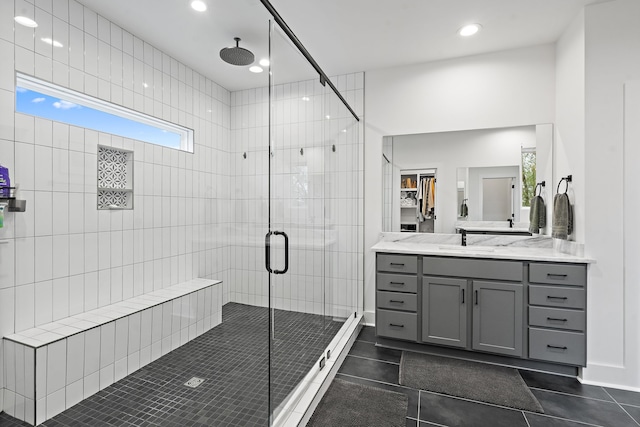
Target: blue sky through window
(53,108)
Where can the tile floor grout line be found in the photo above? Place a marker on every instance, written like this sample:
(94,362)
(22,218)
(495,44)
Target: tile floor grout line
(374,360)
(563,419)
(573,395)
(621,407)
(375,381)
(525,418)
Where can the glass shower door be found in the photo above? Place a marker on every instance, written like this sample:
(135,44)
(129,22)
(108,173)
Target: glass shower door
(295,242)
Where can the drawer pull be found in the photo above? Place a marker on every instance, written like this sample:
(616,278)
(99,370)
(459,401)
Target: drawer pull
(555,319)
(561,298)
(476,295)
(395,325)
(556,276)
(399,264)
(397,283)
(396,301)
(557,347)
(462,296)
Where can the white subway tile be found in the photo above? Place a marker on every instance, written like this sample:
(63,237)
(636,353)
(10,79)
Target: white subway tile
(76,254)
(24,311)
(43,205)
(91,384)
(104,287)
(60,173)
(106,376)
(120,369)
(42,303)
(61,256)
(92,350)
(90,22)
(134,333)
(41,410)
(60,298)
(76,294)
(76,170)
(60,213)
(107,344)
(25,166)
(91,290)
(56,366)
(43,258)
(122,338)
(56,403)
(75,358)
(74,393)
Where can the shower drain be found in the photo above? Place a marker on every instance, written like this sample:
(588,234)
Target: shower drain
(194,382)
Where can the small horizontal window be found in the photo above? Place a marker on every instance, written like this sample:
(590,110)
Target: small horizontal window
(49,101)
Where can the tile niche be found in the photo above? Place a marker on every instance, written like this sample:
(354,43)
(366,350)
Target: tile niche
(115,178)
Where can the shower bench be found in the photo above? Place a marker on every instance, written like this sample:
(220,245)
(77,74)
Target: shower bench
(54,366)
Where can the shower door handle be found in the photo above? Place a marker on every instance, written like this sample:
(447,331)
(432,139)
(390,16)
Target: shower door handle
(267,248)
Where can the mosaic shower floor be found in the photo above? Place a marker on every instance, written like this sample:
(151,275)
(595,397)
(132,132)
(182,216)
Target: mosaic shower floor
(233,360)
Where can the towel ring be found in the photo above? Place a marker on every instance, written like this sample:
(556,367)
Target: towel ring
(567,179)
(541,185)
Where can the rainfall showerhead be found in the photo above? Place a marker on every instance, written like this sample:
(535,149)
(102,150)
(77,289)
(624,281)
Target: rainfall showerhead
(236,55)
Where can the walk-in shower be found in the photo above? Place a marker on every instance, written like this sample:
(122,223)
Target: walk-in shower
(269,201)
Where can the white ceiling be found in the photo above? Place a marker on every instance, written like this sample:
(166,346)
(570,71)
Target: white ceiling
(342,35)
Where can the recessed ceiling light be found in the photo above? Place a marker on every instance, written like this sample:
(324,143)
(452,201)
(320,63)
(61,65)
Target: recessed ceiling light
(469,30)
(305,98)
(198,5)
(145,85)
(264,62)
(255,69)
(54,43)
(27,22)
(328,117)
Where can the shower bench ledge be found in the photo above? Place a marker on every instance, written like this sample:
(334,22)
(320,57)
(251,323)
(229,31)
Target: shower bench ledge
(59,364)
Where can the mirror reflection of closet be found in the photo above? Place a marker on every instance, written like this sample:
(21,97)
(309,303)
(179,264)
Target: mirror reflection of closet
(528,149)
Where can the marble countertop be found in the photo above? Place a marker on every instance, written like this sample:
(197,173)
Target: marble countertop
(508,247)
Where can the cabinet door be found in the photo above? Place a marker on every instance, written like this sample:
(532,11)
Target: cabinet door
(497,317)
(444,311)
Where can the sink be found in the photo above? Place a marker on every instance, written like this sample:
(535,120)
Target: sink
(467,248)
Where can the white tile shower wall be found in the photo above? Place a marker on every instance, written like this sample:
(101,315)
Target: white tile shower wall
(319,190)
(63,256)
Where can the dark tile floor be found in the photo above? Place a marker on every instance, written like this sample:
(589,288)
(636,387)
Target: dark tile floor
(233,360)
(565,401)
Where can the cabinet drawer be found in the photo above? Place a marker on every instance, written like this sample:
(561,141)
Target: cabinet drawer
(558,274)
(397,301)
(556,296)
(557,346)
(473,268)
(397,282)
(395,324)
(398,263)
(557,318)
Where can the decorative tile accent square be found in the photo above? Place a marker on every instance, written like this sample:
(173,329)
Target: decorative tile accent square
(115,172)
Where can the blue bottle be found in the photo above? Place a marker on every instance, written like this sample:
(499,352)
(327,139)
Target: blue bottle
(4,182)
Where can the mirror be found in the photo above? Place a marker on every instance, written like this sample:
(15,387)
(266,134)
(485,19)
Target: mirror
(480,175)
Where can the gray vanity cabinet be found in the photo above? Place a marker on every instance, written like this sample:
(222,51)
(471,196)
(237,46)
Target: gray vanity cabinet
(497,317)
(397,296)
(444,311)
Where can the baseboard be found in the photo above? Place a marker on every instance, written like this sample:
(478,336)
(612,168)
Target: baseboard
(370,318)
(609,376)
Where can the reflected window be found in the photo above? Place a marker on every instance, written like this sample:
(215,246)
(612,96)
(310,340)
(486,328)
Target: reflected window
(528,176)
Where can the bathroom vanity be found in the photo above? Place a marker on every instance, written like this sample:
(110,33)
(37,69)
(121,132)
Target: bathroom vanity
(525,303)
